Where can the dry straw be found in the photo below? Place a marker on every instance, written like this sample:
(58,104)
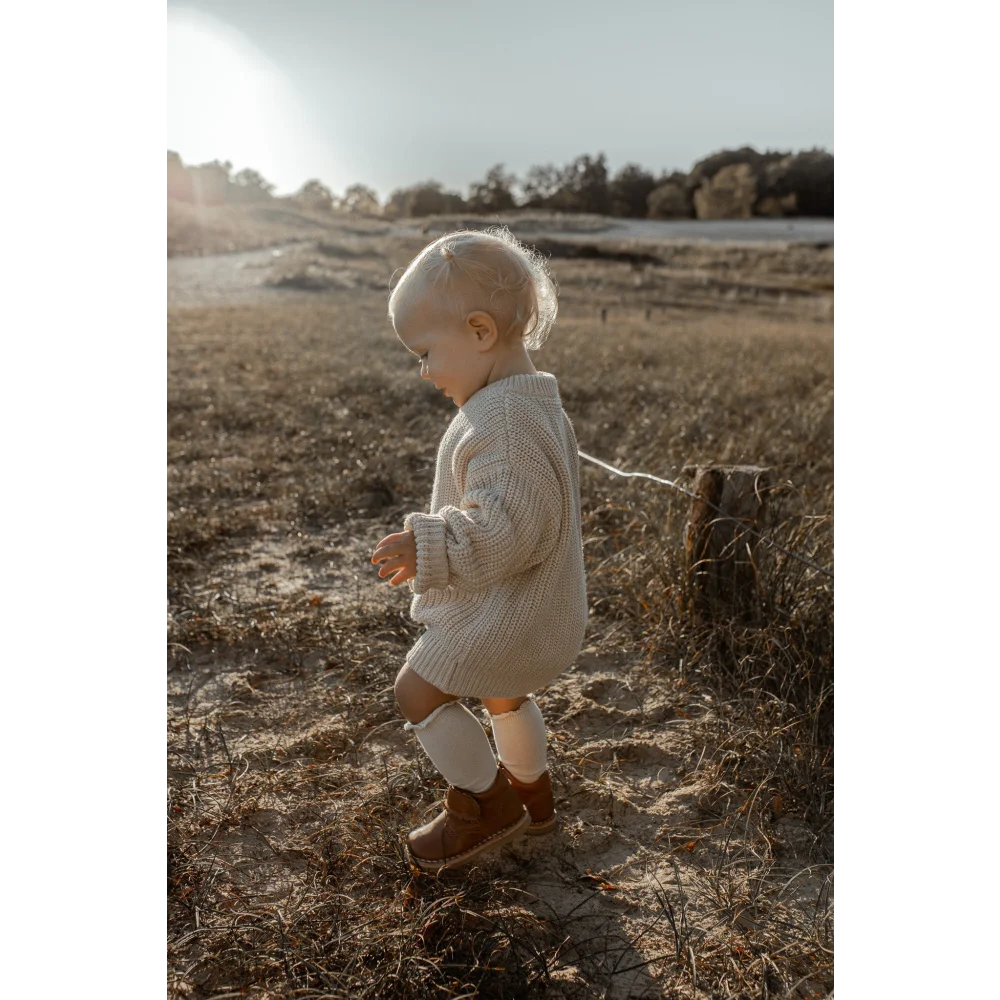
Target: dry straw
(719,510)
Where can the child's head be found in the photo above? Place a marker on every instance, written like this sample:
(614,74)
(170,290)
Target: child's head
(471,304)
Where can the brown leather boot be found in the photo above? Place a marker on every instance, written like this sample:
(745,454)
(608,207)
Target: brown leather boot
(469,824)
(537,797)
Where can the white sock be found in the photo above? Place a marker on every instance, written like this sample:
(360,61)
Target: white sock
(520,740)
(458,746)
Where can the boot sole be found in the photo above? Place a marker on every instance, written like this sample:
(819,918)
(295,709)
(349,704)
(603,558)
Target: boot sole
(545,826)
(498,838)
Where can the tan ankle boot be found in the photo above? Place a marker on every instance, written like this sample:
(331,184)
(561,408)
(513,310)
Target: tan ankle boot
(537,797)
(469,824)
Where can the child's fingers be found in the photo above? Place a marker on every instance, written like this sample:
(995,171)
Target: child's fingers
(391,566)
(384,552)
(389,546)
(403,575)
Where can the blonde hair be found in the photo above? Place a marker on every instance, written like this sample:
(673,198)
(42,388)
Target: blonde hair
(491,271)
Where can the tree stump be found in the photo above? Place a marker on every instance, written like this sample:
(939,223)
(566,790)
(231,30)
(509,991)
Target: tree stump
(720,552)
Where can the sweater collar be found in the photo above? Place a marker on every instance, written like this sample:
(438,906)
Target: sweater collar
(539,384)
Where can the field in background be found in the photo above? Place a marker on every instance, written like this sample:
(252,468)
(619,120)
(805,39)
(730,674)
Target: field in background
(692,763)
(209,229)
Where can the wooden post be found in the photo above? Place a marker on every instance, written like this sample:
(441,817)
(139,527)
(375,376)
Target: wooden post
(721,571)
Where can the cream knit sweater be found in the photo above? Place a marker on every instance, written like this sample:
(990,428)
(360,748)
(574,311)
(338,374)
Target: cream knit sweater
(500,582)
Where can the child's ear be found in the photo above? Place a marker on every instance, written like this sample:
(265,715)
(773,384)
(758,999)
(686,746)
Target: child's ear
(485,329)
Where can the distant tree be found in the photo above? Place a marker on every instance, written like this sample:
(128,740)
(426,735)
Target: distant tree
(210,181)
(540,186)
(249,185)
(179,183)
(580,186)
(584,186)
(809,176)
(786,183)
(706,168)
(432,199)
(361,200)
(315,194)
(427,198)
(670,198)
(495,193)
(630,189)
(395,205)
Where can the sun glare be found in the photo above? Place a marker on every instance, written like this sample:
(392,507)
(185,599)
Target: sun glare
(228,101)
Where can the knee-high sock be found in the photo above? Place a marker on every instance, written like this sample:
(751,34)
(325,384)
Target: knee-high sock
(458,746)
(520,740)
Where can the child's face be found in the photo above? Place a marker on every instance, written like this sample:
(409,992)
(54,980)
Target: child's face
(451,352)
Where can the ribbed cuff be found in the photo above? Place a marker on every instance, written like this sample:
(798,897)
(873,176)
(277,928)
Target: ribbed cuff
(432,552)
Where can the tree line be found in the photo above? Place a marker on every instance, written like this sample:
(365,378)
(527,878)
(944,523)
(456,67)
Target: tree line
(738,183)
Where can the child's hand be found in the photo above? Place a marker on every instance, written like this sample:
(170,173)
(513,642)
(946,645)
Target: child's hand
(399,553)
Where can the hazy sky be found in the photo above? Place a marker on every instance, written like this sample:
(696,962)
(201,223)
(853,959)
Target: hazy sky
(391,92)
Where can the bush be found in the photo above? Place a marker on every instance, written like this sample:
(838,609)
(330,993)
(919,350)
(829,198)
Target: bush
(495,193)
(670,199)
(249,185)
(315,195)
(423,199)
(360,200)
(630,191)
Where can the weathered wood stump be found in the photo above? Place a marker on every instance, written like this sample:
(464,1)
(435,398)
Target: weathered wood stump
(720,552)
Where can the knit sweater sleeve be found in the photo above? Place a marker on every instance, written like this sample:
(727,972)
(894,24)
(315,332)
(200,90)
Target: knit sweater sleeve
(507,521)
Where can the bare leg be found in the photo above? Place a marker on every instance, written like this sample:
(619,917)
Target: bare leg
(449,733)
(416,697)
(497,706)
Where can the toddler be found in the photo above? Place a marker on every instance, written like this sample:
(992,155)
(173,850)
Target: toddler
(496,567)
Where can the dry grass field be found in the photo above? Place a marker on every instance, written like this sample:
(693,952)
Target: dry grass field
(692,760)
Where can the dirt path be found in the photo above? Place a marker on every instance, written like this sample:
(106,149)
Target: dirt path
(225,279)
